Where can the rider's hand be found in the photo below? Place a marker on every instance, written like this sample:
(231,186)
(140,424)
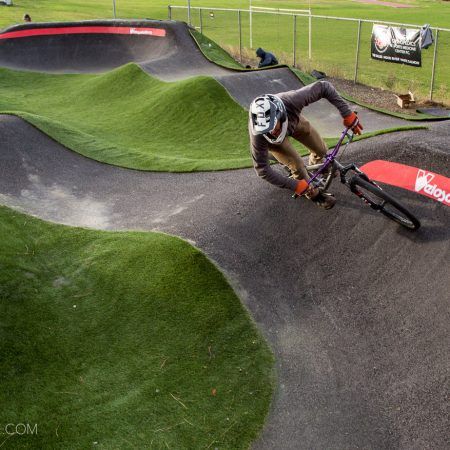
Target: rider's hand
(302,187)
(352,121)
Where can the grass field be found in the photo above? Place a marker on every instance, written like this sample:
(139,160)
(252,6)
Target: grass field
(333,42)
(123,340)
(435,12)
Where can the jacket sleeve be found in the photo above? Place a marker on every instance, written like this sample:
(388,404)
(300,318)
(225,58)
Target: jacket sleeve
(259,148)
(267,61)
(318,90)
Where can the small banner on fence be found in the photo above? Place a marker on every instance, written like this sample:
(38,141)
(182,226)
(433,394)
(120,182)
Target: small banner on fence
(397,45)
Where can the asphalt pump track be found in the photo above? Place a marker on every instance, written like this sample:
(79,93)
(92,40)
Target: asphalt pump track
(64,48)
(354,307)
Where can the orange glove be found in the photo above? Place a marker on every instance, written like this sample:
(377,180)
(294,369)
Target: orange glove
(302,187)
(352,121)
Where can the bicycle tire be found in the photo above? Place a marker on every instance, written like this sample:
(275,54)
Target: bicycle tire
(383,202)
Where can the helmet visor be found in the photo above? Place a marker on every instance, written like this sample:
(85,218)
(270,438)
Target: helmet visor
(275,132)
(277,135)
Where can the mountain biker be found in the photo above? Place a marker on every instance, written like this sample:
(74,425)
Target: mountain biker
(273,118)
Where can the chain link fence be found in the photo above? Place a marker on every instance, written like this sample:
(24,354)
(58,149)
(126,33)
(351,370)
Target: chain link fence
(341,47)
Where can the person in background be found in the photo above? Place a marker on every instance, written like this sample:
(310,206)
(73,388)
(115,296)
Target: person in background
(266,58)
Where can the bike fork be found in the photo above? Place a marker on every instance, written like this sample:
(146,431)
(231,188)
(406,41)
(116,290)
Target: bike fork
(344,169)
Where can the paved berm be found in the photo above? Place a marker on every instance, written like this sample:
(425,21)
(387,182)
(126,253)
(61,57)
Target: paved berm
(354,307)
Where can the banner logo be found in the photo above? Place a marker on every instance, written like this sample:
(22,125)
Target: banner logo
(423,179)
(382,40)
(138,31)
(423,182)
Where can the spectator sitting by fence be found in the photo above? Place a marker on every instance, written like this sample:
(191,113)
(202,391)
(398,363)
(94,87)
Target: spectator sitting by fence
(267,58)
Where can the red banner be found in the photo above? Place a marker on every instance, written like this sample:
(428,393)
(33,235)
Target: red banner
(84,30)
(423,182)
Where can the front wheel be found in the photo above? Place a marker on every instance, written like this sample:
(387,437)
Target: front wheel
(381,201)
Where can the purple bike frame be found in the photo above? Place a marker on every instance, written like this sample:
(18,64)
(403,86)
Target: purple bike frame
(330,156)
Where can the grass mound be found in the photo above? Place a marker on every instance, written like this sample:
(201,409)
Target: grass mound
(127,118)
(123,340)
(214,52)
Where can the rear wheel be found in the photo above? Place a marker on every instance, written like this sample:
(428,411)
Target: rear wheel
(381,201)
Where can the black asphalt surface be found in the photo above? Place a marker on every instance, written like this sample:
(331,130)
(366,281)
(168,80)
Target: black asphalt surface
(173,57)
(354,307)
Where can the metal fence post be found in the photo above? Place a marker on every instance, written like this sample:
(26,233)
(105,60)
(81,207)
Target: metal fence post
(240,36)
(309,37)
(434,64)
(114,9)
(251,25)
(170,12)
(189,12)
(294,44)
(201,20)
(357,51)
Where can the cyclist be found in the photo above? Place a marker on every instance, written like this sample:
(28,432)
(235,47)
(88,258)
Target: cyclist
(273,118)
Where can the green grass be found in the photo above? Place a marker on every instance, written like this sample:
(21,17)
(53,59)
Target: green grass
(434,12)
(127,118)
(219,56)
(119,339)
(333,42)
(214,52)
(331,142)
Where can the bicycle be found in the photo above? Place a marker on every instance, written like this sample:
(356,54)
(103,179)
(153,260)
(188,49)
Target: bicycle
(322,175)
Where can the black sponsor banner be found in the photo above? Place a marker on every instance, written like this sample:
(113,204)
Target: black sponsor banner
(397,45)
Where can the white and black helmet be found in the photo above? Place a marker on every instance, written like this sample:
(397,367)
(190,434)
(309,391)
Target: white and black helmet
(265,112)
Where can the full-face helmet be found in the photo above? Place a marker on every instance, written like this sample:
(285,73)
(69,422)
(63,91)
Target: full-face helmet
(266,112)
